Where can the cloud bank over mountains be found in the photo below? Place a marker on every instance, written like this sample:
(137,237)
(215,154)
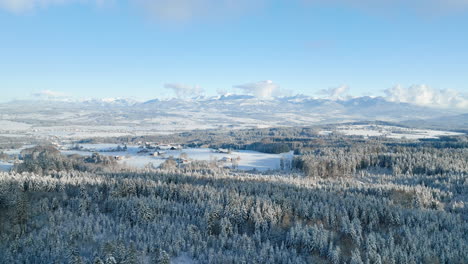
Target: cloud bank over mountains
(262,89)
(420,95)
(426,96)
(336,93)
(183,91)
(49,94)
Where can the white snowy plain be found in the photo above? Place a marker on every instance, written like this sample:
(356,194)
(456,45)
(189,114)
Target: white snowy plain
(390,132)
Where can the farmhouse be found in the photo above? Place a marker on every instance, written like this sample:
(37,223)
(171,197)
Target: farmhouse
(226,159)
(223,150)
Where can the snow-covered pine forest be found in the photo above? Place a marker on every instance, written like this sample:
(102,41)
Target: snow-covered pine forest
(365,202)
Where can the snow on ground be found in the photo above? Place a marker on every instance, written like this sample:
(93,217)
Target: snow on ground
(13,135)
(391,132)
(249,160)
(260,161)
(17,151)
(80,132)
(6,125)
(5,166)
(325,132)
(99,147)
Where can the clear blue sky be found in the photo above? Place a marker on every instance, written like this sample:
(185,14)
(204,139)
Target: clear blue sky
(134,48)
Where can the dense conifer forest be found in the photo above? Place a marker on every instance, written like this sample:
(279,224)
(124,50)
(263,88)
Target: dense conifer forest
(341,200)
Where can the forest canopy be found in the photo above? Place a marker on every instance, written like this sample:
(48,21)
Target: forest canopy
(341,201)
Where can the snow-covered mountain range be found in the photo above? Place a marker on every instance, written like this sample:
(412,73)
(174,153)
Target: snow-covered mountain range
(127,116)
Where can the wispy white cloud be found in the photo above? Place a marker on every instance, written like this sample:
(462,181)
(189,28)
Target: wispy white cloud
(17,5)
(187,10)
(48,94)
(21,6)
(421,7)
(427,96)
(262,89)
(222,91)
(183,90)
(164,10)
(335,93)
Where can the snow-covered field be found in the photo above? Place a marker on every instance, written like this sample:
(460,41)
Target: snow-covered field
(249,160)
(6,125)
(5,166)
(16,151)
(390,132)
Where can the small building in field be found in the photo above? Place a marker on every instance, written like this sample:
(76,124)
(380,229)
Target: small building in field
(223,150)
(158,154)
(226,159)
(168,147)
(118,157)
(182,161)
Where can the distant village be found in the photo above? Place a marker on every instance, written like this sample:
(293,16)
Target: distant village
(160,150)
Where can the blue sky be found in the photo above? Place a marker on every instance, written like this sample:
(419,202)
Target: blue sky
(139,48)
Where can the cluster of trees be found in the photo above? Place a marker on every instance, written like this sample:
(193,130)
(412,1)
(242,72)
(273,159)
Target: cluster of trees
(4,156)
(13,142)
(208,215)
(347,160)
(280,140)
(45,159)
(269,147)
(268,140)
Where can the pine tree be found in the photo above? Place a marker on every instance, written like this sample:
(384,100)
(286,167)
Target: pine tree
(110,260)
(74,256)
(98,260)
(356,257)
(163,258)
(22,211)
